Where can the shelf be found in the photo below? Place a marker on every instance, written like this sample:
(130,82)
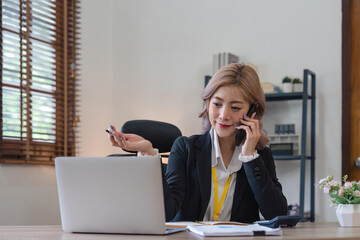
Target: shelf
(285,96)
(303,157)
(290,157)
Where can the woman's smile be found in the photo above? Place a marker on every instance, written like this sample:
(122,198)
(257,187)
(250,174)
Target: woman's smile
(221,125)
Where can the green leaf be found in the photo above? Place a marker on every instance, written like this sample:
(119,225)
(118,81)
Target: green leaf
(355,201)
(339,199)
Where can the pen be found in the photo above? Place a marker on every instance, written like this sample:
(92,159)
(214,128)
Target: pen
(110,132)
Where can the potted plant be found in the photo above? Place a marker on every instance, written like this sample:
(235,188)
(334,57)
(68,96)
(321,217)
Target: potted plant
(287,84)
(347,198)
(297,85)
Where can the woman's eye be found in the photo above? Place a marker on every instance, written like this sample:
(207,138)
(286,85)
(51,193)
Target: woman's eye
(216,104)
(236,108)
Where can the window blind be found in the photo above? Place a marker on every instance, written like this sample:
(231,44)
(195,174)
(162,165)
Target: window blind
(39,72)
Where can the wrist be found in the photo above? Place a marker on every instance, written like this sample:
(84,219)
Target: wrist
(248,158)
(147,148)
(151,152)
(247,152)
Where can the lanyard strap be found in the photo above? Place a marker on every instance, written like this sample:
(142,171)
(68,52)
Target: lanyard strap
(217,204)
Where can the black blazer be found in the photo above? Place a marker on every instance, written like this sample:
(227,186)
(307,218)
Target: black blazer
(187,185)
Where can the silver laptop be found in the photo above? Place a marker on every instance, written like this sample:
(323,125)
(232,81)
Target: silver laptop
(111,195)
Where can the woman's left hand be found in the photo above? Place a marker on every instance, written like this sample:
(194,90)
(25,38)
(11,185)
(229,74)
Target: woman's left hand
(252,129)
(131,142)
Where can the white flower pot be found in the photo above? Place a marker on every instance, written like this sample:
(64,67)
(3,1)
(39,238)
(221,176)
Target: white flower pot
(287,87)
(297,87)
(348,215)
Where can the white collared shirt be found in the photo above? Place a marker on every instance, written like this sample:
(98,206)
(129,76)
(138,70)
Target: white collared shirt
(223,174)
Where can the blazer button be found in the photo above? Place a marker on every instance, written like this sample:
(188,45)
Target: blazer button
(256,168)
(258,178)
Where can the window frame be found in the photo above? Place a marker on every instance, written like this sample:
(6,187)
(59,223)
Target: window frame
(66,46)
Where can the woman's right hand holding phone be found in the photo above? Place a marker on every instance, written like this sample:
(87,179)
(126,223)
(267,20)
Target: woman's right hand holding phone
(130,142)
(252,128)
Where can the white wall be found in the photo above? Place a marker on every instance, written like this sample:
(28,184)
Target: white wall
(96,76)
(28,195)
(147,59)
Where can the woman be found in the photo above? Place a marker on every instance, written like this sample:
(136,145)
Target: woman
(220,175)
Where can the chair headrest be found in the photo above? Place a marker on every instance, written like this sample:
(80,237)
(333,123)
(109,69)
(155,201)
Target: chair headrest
(162,135)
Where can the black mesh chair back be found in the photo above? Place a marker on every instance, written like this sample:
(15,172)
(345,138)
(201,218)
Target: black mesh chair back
(162,135)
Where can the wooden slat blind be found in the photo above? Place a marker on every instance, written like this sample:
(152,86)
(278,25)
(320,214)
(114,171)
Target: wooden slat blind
(38,67)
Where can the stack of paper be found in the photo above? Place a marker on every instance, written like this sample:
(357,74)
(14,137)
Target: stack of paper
(233,230)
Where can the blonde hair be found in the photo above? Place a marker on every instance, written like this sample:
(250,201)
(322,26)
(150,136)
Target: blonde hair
(244,77)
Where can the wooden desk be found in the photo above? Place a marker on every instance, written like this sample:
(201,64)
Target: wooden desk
(325,231)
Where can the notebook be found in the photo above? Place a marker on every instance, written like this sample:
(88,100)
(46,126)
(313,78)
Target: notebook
(111,195)
(224,230)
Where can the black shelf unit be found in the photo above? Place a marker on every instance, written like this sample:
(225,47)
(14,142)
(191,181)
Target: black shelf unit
(305,96)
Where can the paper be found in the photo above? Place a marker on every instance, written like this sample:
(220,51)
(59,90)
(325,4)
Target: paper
(181,224)
(184,224)
(221,223)
(234,230)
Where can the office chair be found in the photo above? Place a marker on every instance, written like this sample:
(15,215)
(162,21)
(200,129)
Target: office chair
(162,135)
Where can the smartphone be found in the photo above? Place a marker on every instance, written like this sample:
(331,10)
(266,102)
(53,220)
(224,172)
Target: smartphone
(241,133)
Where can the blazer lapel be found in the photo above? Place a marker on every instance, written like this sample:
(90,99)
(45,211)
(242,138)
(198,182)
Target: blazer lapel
(203,165)
(241,182)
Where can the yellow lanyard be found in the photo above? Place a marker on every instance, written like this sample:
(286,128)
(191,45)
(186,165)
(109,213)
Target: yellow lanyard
(217,204)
